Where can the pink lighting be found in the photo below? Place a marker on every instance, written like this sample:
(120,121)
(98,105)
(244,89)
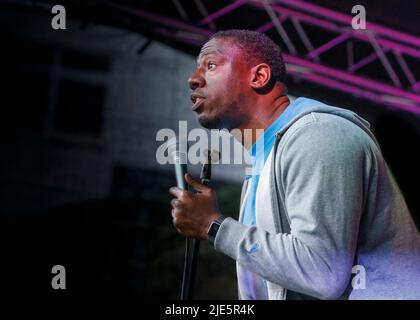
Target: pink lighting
(385,39)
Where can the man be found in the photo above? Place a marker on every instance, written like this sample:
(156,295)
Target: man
(333,205)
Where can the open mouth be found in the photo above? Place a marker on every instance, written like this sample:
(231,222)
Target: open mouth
(197,101)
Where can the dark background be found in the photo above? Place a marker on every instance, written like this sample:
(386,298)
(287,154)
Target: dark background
(79,182)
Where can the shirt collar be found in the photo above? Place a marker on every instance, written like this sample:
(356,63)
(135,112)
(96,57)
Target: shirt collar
(260,150)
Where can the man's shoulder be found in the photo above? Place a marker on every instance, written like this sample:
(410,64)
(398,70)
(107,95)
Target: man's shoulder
(323,135)
(327,125)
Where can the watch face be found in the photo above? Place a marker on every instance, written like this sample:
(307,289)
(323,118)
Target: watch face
(213,228)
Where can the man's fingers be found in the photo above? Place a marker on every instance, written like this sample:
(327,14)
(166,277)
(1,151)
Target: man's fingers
(175,203)
(194,183)
(176,192)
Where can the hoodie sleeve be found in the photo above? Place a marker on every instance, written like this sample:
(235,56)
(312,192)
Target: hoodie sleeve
(322,167)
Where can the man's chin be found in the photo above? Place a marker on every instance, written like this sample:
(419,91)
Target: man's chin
(206,122)
(213,123)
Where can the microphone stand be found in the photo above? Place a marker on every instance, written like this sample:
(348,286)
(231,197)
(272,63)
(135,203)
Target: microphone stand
(192,246)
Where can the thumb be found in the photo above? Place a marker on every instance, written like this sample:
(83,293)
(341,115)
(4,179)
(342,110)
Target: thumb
(194,183)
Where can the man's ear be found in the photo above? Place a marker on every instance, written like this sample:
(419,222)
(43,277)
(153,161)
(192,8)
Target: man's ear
(260,76)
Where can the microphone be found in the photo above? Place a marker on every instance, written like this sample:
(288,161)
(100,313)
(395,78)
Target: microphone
(178,152)
(210,157)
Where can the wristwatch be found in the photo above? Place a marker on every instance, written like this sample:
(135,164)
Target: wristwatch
(214,227)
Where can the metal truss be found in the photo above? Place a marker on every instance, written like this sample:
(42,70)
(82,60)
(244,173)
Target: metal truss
(311,37)
(394,50)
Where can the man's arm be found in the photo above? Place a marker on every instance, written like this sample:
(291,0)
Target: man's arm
(322,175)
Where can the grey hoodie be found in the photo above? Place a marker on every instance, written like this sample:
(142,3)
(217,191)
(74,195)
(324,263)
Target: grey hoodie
(345,215)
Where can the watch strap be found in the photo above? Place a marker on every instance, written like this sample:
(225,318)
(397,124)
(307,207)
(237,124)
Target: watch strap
(214,228)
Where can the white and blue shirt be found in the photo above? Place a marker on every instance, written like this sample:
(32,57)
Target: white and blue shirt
(255,287)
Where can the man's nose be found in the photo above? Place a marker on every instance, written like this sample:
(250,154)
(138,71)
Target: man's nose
(195,81)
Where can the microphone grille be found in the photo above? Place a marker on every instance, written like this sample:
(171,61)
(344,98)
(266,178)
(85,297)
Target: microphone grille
(178,150)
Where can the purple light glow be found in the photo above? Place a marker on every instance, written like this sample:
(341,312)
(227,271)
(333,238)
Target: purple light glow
(223,11)
(163,20)
(358,80)
(356,91)
(360,35)
(346,19)
(416,86)
(327,46)
(366,60)
(356,84)
(267,26)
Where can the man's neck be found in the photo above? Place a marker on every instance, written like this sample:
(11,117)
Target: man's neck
(263,117)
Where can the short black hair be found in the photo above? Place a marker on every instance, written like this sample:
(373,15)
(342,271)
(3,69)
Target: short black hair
(257,48)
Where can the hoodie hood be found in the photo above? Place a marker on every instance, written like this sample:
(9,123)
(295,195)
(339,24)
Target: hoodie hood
(304,106)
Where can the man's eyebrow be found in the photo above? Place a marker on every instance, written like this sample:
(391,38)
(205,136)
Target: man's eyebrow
(209,52)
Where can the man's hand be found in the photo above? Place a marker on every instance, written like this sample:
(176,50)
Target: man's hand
(192,213)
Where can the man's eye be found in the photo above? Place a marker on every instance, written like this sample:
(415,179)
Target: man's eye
(211,65)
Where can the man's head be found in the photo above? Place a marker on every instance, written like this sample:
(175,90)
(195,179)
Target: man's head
(234,69)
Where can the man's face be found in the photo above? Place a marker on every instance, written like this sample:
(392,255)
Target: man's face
(219,85)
